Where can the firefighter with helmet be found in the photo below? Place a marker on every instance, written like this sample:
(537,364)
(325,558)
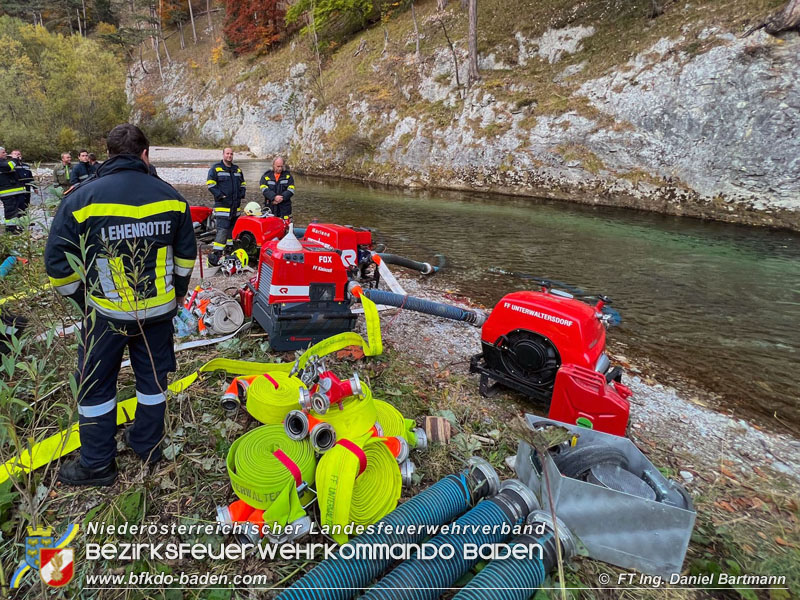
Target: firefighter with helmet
(134,235)
(226,183)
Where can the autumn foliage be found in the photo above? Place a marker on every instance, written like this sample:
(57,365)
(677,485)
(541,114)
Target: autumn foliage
(253,25)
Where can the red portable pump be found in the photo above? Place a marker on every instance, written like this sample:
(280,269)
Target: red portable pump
(252,231)
(551,347)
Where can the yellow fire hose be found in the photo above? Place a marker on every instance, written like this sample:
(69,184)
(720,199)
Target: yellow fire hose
(358,483)
(270,471)
(394,424)
(64,442)
(356,417)
(271,397)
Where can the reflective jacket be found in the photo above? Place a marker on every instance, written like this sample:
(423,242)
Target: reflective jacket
(271,186)
(226,184)
(24,174)
(139,243)
(81,172)
(9,181)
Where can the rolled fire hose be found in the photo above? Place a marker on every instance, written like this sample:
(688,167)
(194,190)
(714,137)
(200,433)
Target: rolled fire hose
(437,309)
(356,419)
(427,579)
(67,440)
(356,483)
(335,579)
(269,471)
(519,579)
(393,423)
(272,396)
(224,314)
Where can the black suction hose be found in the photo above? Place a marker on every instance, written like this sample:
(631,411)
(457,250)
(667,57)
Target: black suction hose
(422,267)
(437,309)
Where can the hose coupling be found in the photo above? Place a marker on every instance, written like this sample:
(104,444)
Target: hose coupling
(421,437)
(407,470)
(483,478)
(322,437)
(518,498)
(296,425)
(298,528)
(569,543)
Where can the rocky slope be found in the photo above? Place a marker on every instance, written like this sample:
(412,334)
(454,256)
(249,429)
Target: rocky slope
(697,122)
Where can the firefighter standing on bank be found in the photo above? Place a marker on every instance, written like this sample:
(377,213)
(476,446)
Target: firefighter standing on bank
(226,183)
(12,191)
(140,250)
(277,186)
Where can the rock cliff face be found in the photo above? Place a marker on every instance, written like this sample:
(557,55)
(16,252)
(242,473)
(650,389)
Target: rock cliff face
(706,127)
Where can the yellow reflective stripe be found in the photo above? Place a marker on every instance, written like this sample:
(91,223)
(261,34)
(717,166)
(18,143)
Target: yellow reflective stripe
(291,187)
(161,271)
(266,177)
(186,263)
(125,210)
(263,186)
(59,281)
(218,169)
(11,164)
(243,184)
(121,285)
(211,182)
(12,191)
(136,305)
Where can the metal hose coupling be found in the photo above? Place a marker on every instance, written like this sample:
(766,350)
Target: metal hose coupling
(407,470)
(517,498)
(322,437)
(568,542)
(482,478)
(316,402)
(296,425)
(421,437)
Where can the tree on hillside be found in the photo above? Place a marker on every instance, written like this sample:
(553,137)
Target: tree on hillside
(253,25)
(472,43)
(786,19)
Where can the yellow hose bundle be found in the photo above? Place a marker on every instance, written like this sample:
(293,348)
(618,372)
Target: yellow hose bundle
(266,467)
(271,397)
(356,483)
(356,417)
(394,424)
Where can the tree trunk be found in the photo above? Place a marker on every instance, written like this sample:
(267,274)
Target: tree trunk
(474,74)
(786,19)
(452,49)
(180,32)
(80,31)
(191,18)
(208,12)
(441,4)
(417,55)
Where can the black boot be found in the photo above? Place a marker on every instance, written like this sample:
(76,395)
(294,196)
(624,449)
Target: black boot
(73,472)
(214,258)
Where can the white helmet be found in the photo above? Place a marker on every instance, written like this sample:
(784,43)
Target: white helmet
(253,209)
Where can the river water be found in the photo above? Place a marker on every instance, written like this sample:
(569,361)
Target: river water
(716,303)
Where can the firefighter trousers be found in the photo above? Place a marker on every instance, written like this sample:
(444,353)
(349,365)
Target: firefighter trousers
(100,353)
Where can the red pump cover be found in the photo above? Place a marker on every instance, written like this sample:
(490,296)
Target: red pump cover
(580,392)
(199,213)
(288,276)
(340,237)
(263,229)
(571,325)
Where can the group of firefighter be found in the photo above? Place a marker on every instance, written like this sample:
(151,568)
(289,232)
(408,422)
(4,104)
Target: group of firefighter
(16,185)
(226,183)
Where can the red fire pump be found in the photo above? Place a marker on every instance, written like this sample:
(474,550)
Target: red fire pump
(301,293)
(551,347)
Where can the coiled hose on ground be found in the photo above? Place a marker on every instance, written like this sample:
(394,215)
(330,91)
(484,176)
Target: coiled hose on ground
(422,267)
(512,579)
(418,579)
(437,309)
(336,579)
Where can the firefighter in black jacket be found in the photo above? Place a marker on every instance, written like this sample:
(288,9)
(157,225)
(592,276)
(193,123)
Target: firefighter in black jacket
(25,177)
(226,183)
(278,188)
(83,170)
(11,191)
(139,253)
